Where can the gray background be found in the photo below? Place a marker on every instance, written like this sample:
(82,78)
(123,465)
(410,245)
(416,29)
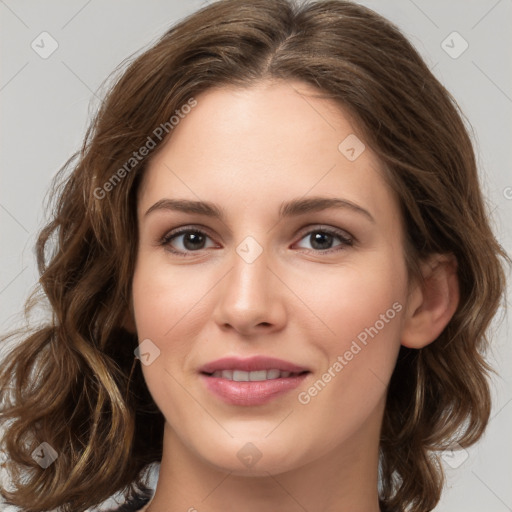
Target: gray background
(46,106)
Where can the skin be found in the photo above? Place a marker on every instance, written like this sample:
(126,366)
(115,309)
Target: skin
(248,150)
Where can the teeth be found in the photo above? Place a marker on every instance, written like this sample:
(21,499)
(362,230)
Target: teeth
(242,376)
(273,374)
(259,375)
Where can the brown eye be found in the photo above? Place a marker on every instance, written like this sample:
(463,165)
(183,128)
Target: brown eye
(187,240)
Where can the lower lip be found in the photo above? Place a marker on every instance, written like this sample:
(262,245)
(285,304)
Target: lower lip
(251,393)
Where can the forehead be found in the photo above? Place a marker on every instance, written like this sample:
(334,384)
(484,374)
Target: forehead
(264,144)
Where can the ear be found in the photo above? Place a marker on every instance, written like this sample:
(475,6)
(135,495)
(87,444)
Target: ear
(432,301)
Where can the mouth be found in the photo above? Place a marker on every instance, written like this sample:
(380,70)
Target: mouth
(254,376)
(252,366)
(252,381)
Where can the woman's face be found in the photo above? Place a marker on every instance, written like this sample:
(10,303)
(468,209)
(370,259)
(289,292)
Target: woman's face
(322,291)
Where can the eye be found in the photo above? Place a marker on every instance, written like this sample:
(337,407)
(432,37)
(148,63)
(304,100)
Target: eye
(321,239)
(191,240)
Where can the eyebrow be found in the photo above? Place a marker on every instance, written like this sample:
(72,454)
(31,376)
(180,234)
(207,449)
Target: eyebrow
(287,209)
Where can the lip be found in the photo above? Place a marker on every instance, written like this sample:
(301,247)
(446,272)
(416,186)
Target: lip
(251,364)
(251,393)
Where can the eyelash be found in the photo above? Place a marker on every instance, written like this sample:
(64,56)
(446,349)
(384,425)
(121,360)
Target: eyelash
(341,235)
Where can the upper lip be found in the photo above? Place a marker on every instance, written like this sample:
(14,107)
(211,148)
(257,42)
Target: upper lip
(251,364)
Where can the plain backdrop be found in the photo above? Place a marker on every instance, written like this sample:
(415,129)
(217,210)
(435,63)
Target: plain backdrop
(46,105)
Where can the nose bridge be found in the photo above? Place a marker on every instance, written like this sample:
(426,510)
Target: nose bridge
(249,295)
(249,280)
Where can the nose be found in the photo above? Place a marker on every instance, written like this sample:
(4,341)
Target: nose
(251,299)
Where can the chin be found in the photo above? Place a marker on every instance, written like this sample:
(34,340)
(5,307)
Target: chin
(247,456)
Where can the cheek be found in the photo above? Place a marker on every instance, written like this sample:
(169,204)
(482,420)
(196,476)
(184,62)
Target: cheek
(163,298)
(162,302)
(347,395)
(349,301)
(362,314)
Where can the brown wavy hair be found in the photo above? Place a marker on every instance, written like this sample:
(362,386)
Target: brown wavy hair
(73,382)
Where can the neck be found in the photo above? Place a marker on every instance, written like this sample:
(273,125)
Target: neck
(343,479)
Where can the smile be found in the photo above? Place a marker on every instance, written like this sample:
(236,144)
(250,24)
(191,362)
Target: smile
(254,376)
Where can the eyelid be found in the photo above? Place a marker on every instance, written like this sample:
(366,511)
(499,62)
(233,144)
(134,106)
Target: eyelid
(185,229)
(342,233)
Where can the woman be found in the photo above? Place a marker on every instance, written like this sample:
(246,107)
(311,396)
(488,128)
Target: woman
(325,343)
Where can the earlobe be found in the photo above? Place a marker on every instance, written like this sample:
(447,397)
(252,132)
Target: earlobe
(432,302)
